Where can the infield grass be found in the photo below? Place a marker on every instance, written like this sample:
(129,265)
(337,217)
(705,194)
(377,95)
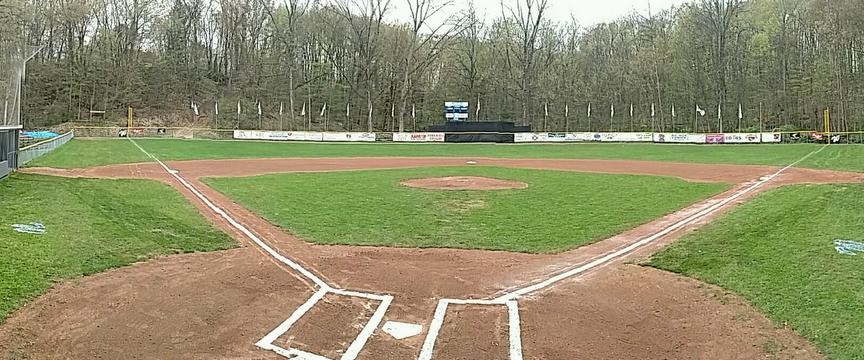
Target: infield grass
(559,210)
(777,252)
(85,153)
(92,225)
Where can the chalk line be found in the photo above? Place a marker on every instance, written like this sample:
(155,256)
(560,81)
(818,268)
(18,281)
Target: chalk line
(323,288)
(515,330)
(267,341)
(510,298)
(632,247)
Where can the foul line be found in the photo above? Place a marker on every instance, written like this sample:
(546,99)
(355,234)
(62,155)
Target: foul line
(323,288)
(306,273)
(510,299)
(632,247)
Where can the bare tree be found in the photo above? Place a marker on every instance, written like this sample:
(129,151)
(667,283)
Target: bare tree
(287,34)
(523,49)
(468,60)
(717,18)
(364,19)
(422,50)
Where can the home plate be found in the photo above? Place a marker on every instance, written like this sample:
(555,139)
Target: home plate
(401,330)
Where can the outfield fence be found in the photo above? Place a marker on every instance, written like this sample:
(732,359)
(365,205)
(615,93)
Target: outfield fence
(30,152)
(786,137)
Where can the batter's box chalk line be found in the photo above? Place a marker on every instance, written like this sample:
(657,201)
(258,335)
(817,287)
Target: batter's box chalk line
(353,350)
(514,329)
(323,288)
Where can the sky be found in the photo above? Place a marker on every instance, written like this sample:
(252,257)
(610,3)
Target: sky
(586,12)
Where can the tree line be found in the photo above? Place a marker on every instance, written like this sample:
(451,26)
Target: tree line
(748,65)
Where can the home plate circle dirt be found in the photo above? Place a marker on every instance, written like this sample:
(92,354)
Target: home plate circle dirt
(464,183)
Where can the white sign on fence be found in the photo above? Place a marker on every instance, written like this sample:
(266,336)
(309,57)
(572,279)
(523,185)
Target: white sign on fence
(349,136)
(278,135)
(741,138)
(624,137)
(546,137)
(771,137)
(679,138)
(418,137)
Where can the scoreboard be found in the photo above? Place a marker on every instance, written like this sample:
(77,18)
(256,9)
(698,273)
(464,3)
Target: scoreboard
(456,110)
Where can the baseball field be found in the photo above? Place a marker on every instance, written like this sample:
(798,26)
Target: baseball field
(271,250)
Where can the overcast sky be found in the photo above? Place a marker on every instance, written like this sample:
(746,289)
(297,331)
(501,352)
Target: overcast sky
(586,12)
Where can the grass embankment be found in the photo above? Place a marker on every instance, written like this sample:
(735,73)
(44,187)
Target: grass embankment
(777,252)
(558,211)
(92,225)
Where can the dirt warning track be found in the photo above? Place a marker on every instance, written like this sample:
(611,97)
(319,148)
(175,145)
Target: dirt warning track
(220,304)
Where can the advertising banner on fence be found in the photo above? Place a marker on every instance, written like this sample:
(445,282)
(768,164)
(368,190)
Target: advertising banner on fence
(539,137)
(582,136)
(741,138)
(278,135)
(349,136)
(679,138)
(714,138)
(418,137)
(622,137)
(771,137)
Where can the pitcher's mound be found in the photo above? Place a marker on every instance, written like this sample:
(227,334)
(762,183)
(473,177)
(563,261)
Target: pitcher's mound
(464,183)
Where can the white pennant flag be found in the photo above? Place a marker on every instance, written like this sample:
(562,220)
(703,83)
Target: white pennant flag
(303,110)
(652,109)
(216,107)
(589,109)
(259,108)
(673,110)
(740,112)
(546,109)
(414,112)
(566,110)
(476,112)
(281,107)
(719,109)
(238,107)
(393,110)
(323,108)
(348,110)
(612,111)
(700,111)
(631,110)
(195,109)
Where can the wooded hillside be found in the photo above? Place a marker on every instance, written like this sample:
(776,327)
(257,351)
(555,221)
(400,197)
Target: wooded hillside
(783,61)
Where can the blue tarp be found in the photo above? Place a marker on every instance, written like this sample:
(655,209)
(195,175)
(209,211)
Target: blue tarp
(40,134)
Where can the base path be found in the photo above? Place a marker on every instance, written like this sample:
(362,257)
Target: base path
(218,305)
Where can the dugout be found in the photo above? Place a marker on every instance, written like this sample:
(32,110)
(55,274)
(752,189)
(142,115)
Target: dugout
(483,131)
(8,149)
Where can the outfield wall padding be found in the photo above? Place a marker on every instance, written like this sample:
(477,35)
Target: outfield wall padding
(478,138)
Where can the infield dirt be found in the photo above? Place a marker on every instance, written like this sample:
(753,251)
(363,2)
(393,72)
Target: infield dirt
(217,305)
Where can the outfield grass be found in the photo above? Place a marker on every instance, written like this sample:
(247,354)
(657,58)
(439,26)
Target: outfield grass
(92,152)
(85,153)
(92,225)
(777,252)
(558,211)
